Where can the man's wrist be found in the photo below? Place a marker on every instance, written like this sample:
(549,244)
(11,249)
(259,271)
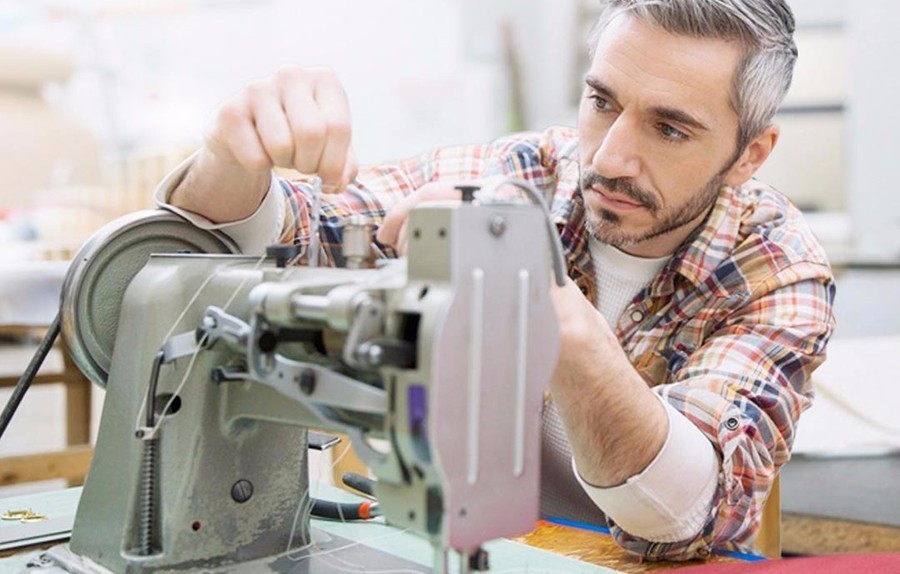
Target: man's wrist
(220,191)
(251,234)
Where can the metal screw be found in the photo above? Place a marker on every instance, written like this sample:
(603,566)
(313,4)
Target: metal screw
(307,381)
(373,354)
(242,490)
(498,226)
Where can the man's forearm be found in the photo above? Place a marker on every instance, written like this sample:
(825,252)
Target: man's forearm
(220,191)
(615,425)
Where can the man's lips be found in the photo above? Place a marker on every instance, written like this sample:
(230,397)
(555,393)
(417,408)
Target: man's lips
(616,201)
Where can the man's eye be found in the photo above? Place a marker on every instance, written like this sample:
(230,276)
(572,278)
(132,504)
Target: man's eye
(600,103)
(671,133)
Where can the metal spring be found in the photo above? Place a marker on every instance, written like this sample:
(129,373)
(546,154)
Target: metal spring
(148,496)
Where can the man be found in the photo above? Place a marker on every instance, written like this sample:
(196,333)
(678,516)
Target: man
(699,301)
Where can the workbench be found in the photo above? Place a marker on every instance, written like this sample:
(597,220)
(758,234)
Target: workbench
(840,505)
(551,548)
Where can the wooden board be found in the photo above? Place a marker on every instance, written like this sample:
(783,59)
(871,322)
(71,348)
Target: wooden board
(597,548)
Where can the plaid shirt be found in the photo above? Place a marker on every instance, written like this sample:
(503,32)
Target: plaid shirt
(728,332)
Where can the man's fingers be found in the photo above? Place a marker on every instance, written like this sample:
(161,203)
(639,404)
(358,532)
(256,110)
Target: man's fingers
(351,167)
(233,138)
(332,101)
(307,126)
(297,118)
(271,123)
(394,221)
(389,232)
(402,241)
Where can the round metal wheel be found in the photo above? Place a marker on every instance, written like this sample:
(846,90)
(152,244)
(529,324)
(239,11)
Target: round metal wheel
(101,271)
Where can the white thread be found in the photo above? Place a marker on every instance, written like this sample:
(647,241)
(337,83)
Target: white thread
(143,407)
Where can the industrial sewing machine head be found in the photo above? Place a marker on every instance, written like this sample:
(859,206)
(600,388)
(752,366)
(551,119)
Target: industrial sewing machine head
(215,365)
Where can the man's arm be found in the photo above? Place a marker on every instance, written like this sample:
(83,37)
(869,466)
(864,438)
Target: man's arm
(743,389)
(615,425)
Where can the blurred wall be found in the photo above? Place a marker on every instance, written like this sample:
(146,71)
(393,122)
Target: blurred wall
(423,73)
(874,132)
(152,73)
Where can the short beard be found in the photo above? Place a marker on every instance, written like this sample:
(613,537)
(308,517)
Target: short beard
(605,225)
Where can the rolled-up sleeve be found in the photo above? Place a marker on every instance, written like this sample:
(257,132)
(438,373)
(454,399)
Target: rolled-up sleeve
(745,388)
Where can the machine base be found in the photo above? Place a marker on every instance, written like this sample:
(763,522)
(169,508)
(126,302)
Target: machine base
(330,554)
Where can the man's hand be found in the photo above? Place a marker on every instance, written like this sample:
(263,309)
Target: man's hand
(393,230)
(615,425)
(585,336)
(298,118)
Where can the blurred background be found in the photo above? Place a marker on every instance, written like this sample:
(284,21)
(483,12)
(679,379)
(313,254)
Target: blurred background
(99,98)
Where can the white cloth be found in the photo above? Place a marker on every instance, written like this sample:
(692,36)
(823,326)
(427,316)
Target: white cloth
(251,234)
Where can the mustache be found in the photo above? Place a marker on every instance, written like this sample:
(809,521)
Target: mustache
(621,186)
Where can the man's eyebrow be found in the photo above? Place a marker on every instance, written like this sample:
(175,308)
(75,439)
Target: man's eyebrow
(681,117)
(599,87)
(670,114)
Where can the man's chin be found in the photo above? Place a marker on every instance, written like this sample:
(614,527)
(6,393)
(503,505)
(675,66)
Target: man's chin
(610,230)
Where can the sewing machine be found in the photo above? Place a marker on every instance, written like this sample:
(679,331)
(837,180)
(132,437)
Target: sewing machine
(215,365)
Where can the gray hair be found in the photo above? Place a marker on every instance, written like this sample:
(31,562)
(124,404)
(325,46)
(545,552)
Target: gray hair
(764,29)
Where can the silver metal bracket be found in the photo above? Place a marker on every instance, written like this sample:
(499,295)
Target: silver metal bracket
(367,323)
(219,325)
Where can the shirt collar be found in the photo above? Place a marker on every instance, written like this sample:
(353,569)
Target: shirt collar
(697,258)
(707,247)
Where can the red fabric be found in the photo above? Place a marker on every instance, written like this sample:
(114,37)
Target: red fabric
(842,564)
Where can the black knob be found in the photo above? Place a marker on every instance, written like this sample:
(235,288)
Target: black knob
(468,192)
(282,254)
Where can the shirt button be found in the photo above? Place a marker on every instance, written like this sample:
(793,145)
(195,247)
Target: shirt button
(731,424)
(637,315)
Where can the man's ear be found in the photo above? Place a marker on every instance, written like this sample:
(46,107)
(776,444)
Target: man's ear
(756,152)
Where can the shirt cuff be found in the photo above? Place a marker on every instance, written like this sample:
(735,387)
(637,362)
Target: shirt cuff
(671,499)
(251,234)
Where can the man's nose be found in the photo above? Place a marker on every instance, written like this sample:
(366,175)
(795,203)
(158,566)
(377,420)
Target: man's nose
(619,152)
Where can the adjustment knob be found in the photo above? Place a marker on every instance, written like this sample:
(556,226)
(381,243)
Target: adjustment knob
(468,192)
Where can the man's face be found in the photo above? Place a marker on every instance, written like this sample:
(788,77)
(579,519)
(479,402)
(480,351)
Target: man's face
(657,134)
